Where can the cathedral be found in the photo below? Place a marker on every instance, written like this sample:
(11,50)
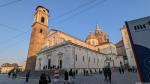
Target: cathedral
(54,48)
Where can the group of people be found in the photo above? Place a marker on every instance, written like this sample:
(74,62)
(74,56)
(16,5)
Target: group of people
(132,69)
(69,76)
(121,70)
(12,73)
(45,78)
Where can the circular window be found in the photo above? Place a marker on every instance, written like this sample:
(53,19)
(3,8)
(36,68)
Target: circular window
(42,19)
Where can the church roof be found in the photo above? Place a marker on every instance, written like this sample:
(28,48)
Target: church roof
(66,34)
(66,43)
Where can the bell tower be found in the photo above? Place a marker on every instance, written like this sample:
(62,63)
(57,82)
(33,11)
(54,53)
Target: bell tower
(39,30)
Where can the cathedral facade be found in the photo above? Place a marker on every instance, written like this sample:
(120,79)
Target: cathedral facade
(54,48)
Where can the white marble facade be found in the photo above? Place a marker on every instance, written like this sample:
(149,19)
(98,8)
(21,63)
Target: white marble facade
(68,52)
(68,55)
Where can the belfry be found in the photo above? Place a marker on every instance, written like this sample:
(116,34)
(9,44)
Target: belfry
(39,30)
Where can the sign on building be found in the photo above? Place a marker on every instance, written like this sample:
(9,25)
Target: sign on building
(139,33)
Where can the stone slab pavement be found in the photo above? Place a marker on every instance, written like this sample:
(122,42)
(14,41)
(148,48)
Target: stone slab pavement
(127,78)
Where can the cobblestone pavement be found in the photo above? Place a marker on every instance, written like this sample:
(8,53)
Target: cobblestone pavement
(127,78)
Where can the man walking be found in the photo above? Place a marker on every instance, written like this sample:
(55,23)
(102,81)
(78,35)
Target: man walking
(66,77)
(109,74)
(70,76)
(105,73)
(27,76)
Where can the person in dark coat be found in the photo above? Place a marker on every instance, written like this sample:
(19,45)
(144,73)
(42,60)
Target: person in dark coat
(122,70)
(43,79)
(105,73)
(66,77)
(71,76)
(27,76)
(14,75)
(119,70)
(9,74)
(109,74)
(74,74)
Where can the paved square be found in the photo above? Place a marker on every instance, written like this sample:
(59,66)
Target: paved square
(127,78)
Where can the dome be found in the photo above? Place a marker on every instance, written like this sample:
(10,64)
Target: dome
(91,36)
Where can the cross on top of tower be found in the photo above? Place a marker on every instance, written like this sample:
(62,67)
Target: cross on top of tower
(98,27)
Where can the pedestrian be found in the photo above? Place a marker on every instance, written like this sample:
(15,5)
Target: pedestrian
(105,74)
(71,76)
(90,71)
(27,76)
(9,74)
(43,79)
(56,75)
(84,72)
(122,70)
(74,74)
(66,77)
(109,74)
(100,71)
(13,75)
(87,73)
(119,70)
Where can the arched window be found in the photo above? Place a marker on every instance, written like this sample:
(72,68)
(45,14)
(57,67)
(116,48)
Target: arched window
(76,58)
(42,19)
(83,58)
(41,30)
(49,63)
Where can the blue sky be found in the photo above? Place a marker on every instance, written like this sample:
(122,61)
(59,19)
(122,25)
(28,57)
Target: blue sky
(17,18)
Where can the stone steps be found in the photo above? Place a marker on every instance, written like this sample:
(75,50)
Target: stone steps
(36,74)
